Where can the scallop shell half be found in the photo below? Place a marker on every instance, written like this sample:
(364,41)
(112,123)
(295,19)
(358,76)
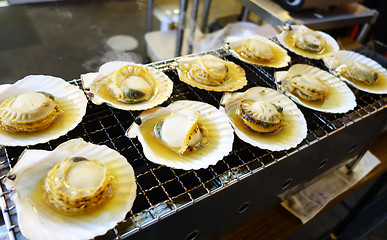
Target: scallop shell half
(37,220)
(380,87)
(235,77)
(71,99)
(341,99)
(220,135)
(285,38)
(286,138)
(281,57)
(99,93)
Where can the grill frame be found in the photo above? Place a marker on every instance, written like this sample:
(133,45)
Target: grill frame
(166,196)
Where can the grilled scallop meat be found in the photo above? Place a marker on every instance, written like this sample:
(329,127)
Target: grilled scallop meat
(357,72)
(29,112)
(306,87)
(261,116)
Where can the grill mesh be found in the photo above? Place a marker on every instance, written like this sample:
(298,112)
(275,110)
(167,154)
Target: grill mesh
(162,190)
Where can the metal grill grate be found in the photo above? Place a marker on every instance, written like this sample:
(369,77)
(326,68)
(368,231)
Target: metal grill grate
(162,191)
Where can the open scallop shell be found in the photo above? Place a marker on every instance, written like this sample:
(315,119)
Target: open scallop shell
(286,138)
(96,83)
(281,57)
(341,99)
(235,78)
(285,39)
(333,61)
(37,220)
(70,98)
(220,134)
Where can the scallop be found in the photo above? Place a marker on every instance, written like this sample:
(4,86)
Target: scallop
(307,42)
(258,50)
(358,71)
(39,108)
(127,86)
(283,125)
(261,116)
(211,73)
(184,135)
(29,112)
(77,191)
(315,89)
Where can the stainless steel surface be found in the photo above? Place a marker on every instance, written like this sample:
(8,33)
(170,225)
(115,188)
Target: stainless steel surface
(319,19)
(206,10)
(238,187)
(180,27)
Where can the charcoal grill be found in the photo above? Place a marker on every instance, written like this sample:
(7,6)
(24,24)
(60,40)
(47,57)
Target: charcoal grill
(205,203)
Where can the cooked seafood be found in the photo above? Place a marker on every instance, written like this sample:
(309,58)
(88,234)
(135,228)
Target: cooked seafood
(315,89)
(77,191)
(78,185)
(261,116)
(29,112)
(258,50)
(184,135)
(265,118)
(307,42)
(190,136)
(211,73)
(128,86)
(306,87)
(39,108)
(357,71)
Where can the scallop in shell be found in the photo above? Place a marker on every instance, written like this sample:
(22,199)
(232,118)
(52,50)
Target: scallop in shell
(184,135)
(259,50)
(336,98)
(307,42)
(39,220)
(128,86)
(211,73)
(29,111)
(353,67)
(291,126)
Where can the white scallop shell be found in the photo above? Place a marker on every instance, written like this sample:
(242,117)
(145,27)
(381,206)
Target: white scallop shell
(163,86)
(286,138)
(344,55)
(220,133)
(330,41)
(37,220)
(232,84)
(282,60)
(341,99)
(71,99)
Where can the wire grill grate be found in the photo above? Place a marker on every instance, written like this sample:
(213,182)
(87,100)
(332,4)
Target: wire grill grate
(161,190)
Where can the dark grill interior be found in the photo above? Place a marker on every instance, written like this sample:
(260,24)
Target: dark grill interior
(162,190)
